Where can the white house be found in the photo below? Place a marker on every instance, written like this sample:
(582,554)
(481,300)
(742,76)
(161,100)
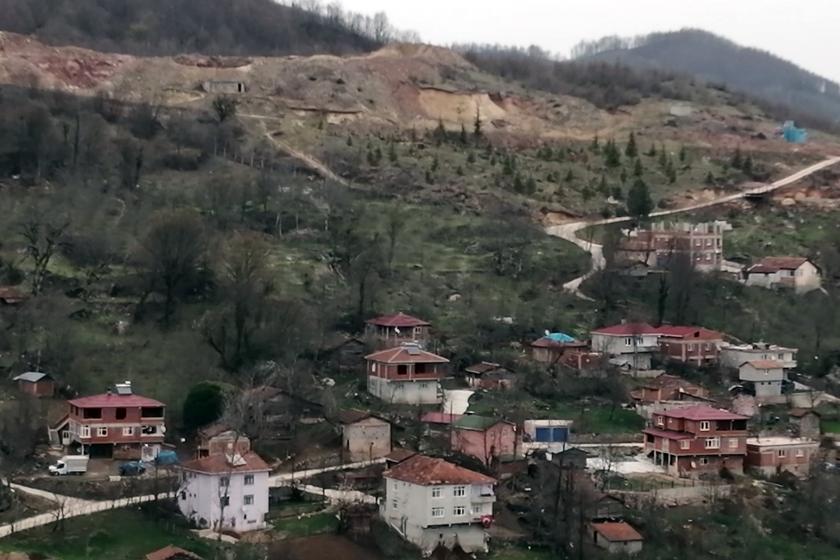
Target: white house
(734,355)
(547,435)
(627,344)
(797,273)
(432,503)
(765,375)
(223,486)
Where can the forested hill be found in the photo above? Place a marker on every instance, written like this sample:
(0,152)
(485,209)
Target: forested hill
(719,60)
(167,27)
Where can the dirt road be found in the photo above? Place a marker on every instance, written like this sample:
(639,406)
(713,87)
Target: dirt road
(570,230)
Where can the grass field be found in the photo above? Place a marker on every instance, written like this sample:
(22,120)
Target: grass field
(305,526)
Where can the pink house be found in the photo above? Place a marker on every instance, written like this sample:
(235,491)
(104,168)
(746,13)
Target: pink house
(486,439)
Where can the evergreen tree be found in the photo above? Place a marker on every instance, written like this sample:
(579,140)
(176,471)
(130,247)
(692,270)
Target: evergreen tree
(392,153)
(683,154)
(652,151)
(623,176)
(639,202)
(570,176)
(530,186)
(671,171)
(595,146)
(612,157)
(440,133)
(430,179)
(459,171)
(603,187)
(587,194)
(463,137)
(637,169)
(747,167)
(477,125)
(507,166)
(493,160)
(517,183)
(631,151)
(737,159)
(371,158)
(377,153)
(663,158)
(350,141)
(710,179)
(435,165)
(617,193)
(549,154)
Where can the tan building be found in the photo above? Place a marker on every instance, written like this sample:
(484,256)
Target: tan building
(616,537)
(796,273)
(776,454)
(364,437)
(657,246)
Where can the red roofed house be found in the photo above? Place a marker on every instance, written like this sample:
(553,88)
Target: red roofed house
(172,553)
(432,503)
(393,330)
(405,374)
(117,424)
(617,537)
(36,383)
(485,438)
(668,388)
(797,273)
(628,344)
(696,440)
(690,345)
(232,488)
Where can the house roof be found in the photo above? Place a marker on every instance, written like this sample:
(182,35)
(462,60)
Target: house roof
(780,441)
(572,451)
(476,422)
(673,331)
(398,455)
(10,295)
(112,399)
(625,329)
(32,377)
(482,367)
(702,412)
(667,434)
(399,320)
(439,418)
(769,265)
(617,531)
(353,416)
(800,412)
(406,354)
(428,471)
(765,364)
(219,464)
(172,553)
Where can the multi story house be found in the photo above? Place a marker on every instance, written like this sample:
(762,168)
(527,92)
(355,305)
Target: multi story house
(694,440)
(628,344)
(433,503)
(776,454)
(734,355)
(796,273)
(486,439)
(406,374)
(388,331)
(116,424)
(702,244)
(765,376)
(227,488)
(689,345)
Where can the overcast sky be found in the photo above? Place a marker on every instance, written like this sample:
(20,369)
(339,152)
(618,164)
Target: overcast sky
(806,32)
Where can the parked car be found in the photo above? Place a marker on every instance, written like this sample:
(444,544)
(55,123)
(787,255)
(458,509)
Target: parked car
(133,468)
(166,458)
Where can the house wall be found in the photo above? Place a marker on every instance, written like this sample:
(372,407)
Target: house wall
(387,337)
(366,439)
(224,443)
(808,425)
(796,459)
(199,499)
(734,357)
(229,87)
(615,345)
(405,392)
(128,430)
(629,548)
(804,279)
(807,278)
(496,441)
(409,371)
(546,355)
(43,388)
(696,351)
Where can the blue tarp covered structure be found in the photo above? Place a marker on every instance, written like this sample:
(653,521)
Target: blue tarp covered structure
(793,134)
(559,337)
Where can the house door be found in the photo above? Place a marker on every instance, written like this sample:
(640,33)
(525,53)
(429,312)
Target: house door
(65,438)
(543,434)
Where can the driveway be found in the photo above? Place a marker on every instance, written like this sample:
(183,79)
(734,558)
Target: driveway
(456,401)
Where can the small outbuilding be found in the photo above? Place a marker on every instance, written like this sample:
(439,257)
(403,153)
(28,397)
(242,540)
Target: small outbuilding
(172,553)
(617,537)
(490,376)
(36,383)
(10,295)
(806,421)
(364,436)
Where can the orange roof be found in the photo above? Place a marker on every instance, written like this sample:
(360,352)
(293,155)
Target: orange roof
(765,364)
(219,464)
(406,354)
(688,332)
(171,553)
(11,295)
(617,531)
(397,320)
(775,264)
(427,471)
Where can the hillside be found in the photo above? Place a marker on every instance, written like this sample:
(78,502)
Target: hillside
(166,27)
(721,61)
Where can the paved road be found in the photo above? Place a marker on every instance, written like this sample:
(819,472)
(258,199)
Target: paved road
(456,401)
(570,230)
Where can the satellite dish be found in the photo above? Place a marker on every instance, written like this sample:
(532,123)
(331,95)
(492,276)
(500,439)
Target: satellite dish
(547,332)
(163,429)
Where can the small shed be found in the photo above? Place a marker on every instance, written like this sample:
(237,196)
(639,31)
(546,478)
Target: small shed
(806,421)
(36,383)
(172,553)
(365,437)
(490,376)
(224,86)
(617,537)
(571,458)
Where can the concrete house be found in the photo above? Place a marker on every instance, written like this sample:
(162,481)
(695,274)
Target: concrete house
(35,383)
(406,374)
(796,273)
(699,439)
(666,387)
(582,360)
(388,331)
(364,437)
(616,537)
(231,485)
(806,422)
(432,503)
(765,376)
(550,348)
(486,439)
(734,355)
(775,454)
(489,376)
(702,244)
(219,438)
(689,345)
(547,435)
(116,424)
(628,344)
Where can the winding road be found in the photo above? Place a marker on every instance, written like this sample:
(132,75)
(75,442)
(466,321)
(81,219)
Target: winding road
(569,231)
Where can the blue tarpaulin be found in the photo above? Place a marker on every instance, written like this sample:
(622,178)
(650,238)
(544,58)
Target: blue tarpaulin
(559,337)
(793,134)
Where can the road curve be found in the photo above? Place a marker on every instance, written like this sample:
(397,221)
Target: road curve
(570,230)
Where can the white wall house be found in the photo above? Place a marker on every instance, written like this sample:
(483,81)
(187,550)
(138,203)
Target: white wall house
(630,344)
(765,375)
(233,486)
(433,503)
(797,273)
(734,355)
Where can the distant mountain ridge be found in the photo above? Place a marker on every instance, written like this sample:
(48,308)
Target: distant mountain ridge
(719,60)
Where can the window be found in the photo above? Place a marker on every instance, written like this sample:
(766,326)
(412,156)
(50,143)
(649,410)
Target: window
(733,443)
(436,492)
(373,367)
(84,431)
(782,453)
(402,369)
(437,512)
(704,460)
(421,368)
(224,481)
(128,431)
(151,412)
(394,503)
(685,444)
(249,480)
(459,491)
(249,500)
(150,430)
(225,501)
(628,341)
(800,452)
(91,413)
(101,432)
(660,421)
(120,413)
(691,348)
(713,443)
(458,511)
(705,426)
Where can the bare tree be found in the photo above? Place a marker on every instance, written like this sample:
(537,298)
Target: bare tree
(42,239)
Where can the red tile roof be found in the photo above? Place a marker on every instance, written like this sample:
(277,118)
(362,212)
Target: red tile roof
(702,412)
(625,329)
(10,295)
(617,531)
(398,455)
(482,367)
(427,471)
(439,418)
(219,464)
(774,264)
(399,320)
(406,354)
(765,364)
(172,553)
(109,400)
(673,331)
(667,434)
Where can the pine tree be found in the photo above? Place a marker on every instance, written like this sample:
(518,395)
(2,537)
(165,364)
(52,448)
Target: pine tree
(603,187)
(683,154)
(371,158)
(440,132)
(493,160)
(671,171)
(507,166)
(570,176)
(637,169)
(392,153)
(477,132)
(587,193)
(463,137)
(612,157)
(710,179)
(517,183)
(350,141)
(663,158)
(430,179)
(595,146)
(548,154)
(435,164)
(623,176)
(617,193)
(747,167)
(639,202)
(652,151)
(377,153)
(459,171)
(631,151)
(737,159)
(530,186)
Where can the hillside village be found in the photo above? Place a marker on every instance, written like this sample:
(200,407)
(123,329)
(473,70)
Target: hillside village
(375,299)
